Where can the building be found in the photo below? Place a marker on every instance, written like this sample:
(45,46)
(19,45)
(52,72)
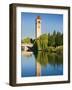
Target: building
(38,27)
(38,33)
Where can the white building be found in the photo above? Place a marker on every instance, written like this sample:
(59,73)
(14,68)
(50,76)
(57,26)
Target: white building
(38,27)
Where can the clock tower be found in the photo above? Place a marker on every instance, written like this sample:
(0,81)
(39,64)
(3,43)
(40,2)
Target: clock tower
(38,26)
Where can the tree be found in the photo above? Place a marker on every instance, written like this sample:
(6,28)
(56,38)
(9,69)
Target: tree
(42,42)
(26,40)
(59,39)
(51,39)
(55,39)
(53,43)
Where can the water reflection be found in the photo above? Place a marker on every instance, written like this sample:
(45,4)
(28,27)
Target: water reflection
(26,53)
(41,64)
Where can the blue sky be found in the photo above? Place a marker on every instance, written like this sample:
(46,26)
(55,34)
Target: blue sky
(49,23)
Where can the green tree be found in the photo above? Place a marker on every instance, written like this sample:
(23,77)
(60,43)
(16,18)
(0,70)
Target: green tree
(51,39)
(42,42)
(59,39)
(26,40)
(55,39)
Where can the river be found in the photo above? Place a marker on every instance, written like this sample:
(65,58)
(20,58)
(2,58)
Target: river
(41,64)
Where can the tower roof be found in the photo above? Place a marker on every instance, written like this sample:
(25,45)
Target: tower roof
(38,17)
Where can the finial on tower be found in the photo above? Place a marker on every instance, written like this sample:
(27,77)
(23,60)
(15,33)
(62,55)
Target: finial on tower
(38,17)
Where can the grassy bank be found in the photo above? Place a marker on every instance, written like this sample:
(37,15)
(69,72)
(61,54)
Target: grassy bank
(58,49)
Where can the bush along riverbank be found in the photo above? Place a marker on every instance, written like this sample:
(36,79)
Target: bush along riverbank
(58,49)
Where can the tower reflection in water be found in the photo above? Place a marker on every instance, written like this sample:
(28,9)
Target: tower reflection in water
(41,64)
(41,60)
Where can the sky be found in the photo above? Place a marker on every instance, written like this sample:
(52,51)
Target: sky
(49,23)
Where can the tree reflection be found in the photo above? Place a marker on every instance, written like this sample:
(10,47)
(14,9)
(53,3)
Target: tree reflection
(44,58)
(41,57)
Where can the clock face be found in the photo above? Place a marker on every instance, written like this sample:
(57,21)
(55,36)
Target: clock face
(38,21)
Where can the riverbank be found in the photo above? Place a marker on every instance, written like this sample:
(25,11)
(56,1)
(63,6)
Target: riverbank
(50,49)
(58,49)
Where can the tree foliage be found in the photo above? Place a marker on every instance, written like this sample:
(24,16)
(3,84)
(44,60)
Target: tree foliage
(55,39)
(42,42)
(45,41)
(26,40)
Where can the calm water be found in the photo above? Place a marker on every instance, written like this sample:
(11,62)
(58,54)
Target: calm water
(41,64)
